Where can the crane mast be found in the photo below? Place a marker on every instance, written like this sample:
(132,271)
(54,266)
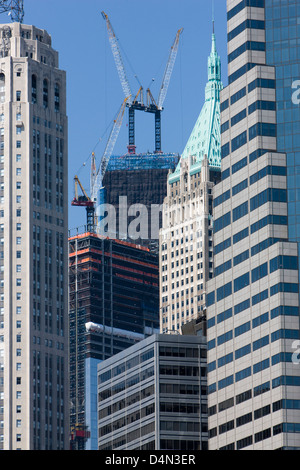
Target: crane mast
(15,8)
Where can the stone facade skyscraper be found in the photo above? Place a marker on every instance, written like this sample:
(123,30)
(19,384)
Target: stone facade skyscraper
(33,266)
(186,242)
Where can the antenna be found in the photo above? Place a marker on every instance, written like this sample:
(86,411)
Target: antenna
(14,8)
(213,16)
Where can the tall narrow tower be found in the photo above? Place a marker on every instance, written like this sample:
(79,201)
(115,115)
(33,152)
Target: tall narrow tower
(33,224)
(186,251)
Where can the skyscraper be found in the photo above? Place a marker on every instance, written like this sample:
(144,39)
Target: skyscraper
(33,268)
(253,300)
(186,242)
(114,303)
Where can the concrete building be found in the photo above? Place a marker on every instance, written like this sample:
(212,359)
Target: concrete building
(34,391)
(186,241)
(253,300)
(153,396)
(113,293)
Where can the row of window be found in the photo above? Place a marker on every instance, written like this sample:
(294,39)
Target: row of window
(293,381)
(129,364)
(248,348)
(45,93)
(243,4)
(259,129)
(259,104)
(279,262)
(247,24)
(257,414)
(265,434)
(242,163)
(247,46)
(249,371)
(268,195)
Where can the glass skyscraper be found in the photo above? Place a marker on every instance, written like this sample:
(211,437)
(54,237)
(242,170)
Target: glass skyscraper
(282,23)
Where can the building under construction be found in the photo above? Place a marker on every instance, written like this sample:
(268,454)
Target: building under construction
(113,292)
(141,179)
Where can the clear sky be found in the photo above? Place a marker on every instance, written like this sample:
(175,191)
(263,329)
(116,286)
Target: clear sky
(146,30)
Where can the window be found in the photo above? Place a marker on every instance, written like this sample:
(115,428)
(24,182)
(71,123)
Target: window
(225,150)
(241,282)
(18,95)
(238,95)
(239,330)
(239,141)
(259,272)
(224,291)
(240,211)
(45,93)
(56,97)
(262,129)
(239,165)
(33,89)
(247,46)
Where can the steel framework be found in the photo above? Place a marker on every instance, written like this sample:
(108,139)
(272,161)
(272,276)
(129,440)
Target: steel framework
(15,8)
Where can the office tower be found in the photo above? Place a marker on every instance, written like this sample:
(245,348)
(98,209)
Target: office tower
(113,291)
(34,391)
(153,396)
(282,51)
(186,249)
(253,300)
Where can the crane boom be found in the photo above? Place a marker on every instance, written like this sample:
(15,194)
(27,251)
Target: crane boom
(15,8)
(168,71)
(98,178)
(118,58)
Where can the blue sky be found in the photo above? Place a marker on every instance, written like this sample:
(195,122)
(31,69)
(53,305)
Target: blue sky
(145,30)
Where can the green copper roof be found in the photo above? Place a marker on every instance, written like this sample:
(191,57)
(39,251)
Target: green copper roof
(205,138)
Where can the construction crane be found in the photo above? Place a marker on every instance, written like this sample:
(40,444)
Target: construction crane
(15,8)
(133,103)
(96,176)
(137,103)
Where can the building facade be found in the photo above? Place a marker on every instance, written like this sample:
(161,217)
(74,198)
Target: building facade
(253,300)
(186,246)
(152,396)
(34,403)
(113,292)
(186,238)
